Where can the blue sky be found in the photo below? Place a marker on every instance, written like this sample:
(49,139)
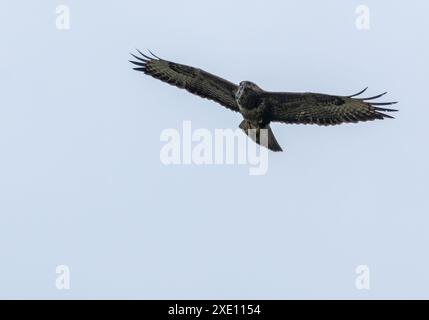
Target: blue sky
(82,185)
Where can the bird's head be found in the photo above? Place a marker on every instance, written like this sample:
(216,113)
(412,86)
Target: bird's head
(246,87)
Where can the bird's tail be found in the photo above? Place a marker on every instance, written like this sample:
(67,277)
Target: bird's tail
(257,135)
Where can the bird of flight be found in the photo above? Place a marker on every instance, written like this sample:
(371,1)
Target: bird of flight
(259,107)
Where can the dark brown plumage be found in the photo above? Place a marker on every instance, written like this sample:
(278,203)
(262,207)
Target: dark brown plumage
(259,107)
(321,109)
(194,80)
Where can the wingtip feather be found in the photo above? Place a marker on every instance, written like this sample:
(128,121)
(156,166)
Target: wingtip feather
(356,94)
(154,54)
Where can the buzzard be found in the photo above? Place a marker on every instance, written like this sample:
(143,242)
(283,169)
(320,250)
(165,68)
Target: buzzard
(259,107)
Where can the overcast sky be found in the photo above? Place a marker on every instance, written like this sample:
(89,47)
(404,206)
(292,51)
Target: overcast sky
(82,184)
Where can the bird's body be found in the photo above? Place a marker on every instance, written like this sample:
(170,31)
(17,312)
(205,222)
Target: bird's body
(250,103)
(259,107)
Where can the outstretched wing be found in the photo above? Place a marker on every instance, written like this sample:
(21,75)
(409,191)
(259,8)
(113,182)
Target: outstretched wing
(194,80)
(322,109)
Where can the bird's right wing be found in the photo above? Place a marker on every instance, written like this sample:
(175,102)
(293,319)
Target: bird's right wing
(194,80)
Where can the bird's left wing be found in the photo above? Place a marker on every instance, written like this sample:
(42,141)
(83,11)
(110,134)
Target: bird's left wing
(194,80)
(322,109)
